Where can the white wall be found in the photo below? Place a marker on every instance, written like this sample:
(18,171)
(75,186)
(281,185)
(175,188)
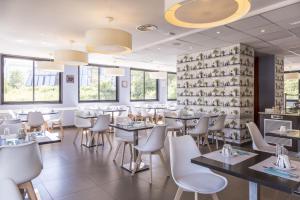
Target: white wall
(70,96)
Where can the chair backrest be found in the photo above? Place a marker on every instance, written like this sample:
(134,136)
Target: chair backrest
(202,125)
(119,132)
(9,190)
(13,128)
(12,121)
(219,123)
(258,141)
(35,119)
(80,122)
(21,163)
(156,139)
(182,150)
(102,123)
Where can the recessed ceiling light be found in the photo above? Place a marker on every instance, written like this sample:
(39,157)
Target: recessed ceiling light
(262,30)
(218,32)
(176,43)
(158,48)
(147,27)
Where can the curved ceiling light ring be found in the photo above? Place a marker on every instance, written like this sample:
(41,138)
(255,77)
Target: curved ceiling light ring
(204,13)
(71,57)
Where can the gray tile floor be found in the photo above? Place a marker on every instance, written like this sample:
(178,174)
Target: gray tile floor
(72,172)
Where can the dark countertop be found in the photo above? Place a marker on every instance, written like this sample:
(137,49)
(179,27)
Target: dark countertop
(296,114)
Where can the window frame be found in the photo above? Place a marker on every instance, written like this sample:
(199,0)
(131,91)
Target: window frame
(157,86)
(34,59)
(174,73)
(99,100)
(293,100)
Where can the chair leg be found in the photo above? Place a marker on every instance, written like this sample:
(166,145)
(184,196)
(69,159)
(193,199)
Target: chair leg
(215,196)
(223,134)
(109,142)
(117,150)
(131,156)
(150,166)
(163,161)
(206,141)
(123,154)
(198,141)
(137,163)
(75,138)
(62,134)
(196,195)
(29,189)
(178,194)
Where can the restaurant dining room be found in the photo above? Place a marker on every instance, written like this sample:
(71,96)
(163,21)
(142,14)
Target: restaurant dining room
(149,99)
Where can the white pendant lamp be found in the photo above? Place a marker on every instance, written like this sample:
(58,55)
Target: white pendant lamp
(71,57)
(114,71)
(108,41)
(205,13)
(49,66)
(158,75)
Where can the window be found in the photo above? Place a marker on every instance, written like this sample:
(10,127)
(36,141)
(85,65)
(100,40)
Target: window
(23,83)
(172,86)
(94,85)
(142,87)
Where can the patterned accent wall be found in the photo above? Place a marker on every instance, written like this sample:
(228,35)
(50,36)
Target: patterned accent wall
(220,81)
(279,81)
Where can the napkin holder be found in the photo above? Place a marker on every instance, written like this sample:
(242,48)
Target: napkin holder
(283,162)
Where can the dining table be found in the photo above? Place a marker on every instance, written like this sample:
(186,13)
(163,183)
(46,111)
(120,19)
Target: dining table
(154,108)
(293,135)
(135,128)
(248,169)
(186,118)
(41,137)
(23,115)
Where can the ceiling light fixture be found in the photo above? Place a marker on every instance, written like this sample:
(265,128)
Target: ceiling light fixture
(108,41)
(49,66)
(218,32)
(262,30)
(295,22)
(204,13)
(114,71)
(71,57)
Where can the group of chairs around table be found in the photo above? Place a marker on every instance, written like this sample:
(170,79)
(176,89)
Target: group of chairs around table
(34,121)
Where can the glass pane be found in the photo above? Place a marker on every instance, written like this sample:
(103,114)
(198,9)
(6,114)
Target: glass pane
(46,86)
(88,83)
(172,86)
(108,86)
(18,80)
(137,85)
(150,87)
(291,88)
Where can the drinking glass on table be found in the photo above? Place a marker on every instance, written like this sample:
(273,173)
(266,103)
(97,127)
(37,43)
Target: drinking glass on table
(6,131)
(280,150)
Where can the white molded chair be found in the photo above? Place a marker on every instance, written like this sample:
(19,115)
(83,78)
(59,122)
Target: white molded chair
(173,125)
(201,131)
(35,120)
(188,176)
(9,190)
(101,127)
(82,126)
(123,138)
(217,129)
(153,144)
(258,142)
(56,121)
(24,167)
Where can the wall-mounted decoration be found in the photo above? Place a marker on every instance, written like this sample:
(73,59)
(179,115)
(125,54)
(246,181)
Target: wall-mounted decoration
(279,81)
(124,84)
(70,78)
(220,81)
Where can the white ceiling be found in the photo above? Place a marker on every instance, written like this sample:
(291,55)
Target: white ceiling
(36,28)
